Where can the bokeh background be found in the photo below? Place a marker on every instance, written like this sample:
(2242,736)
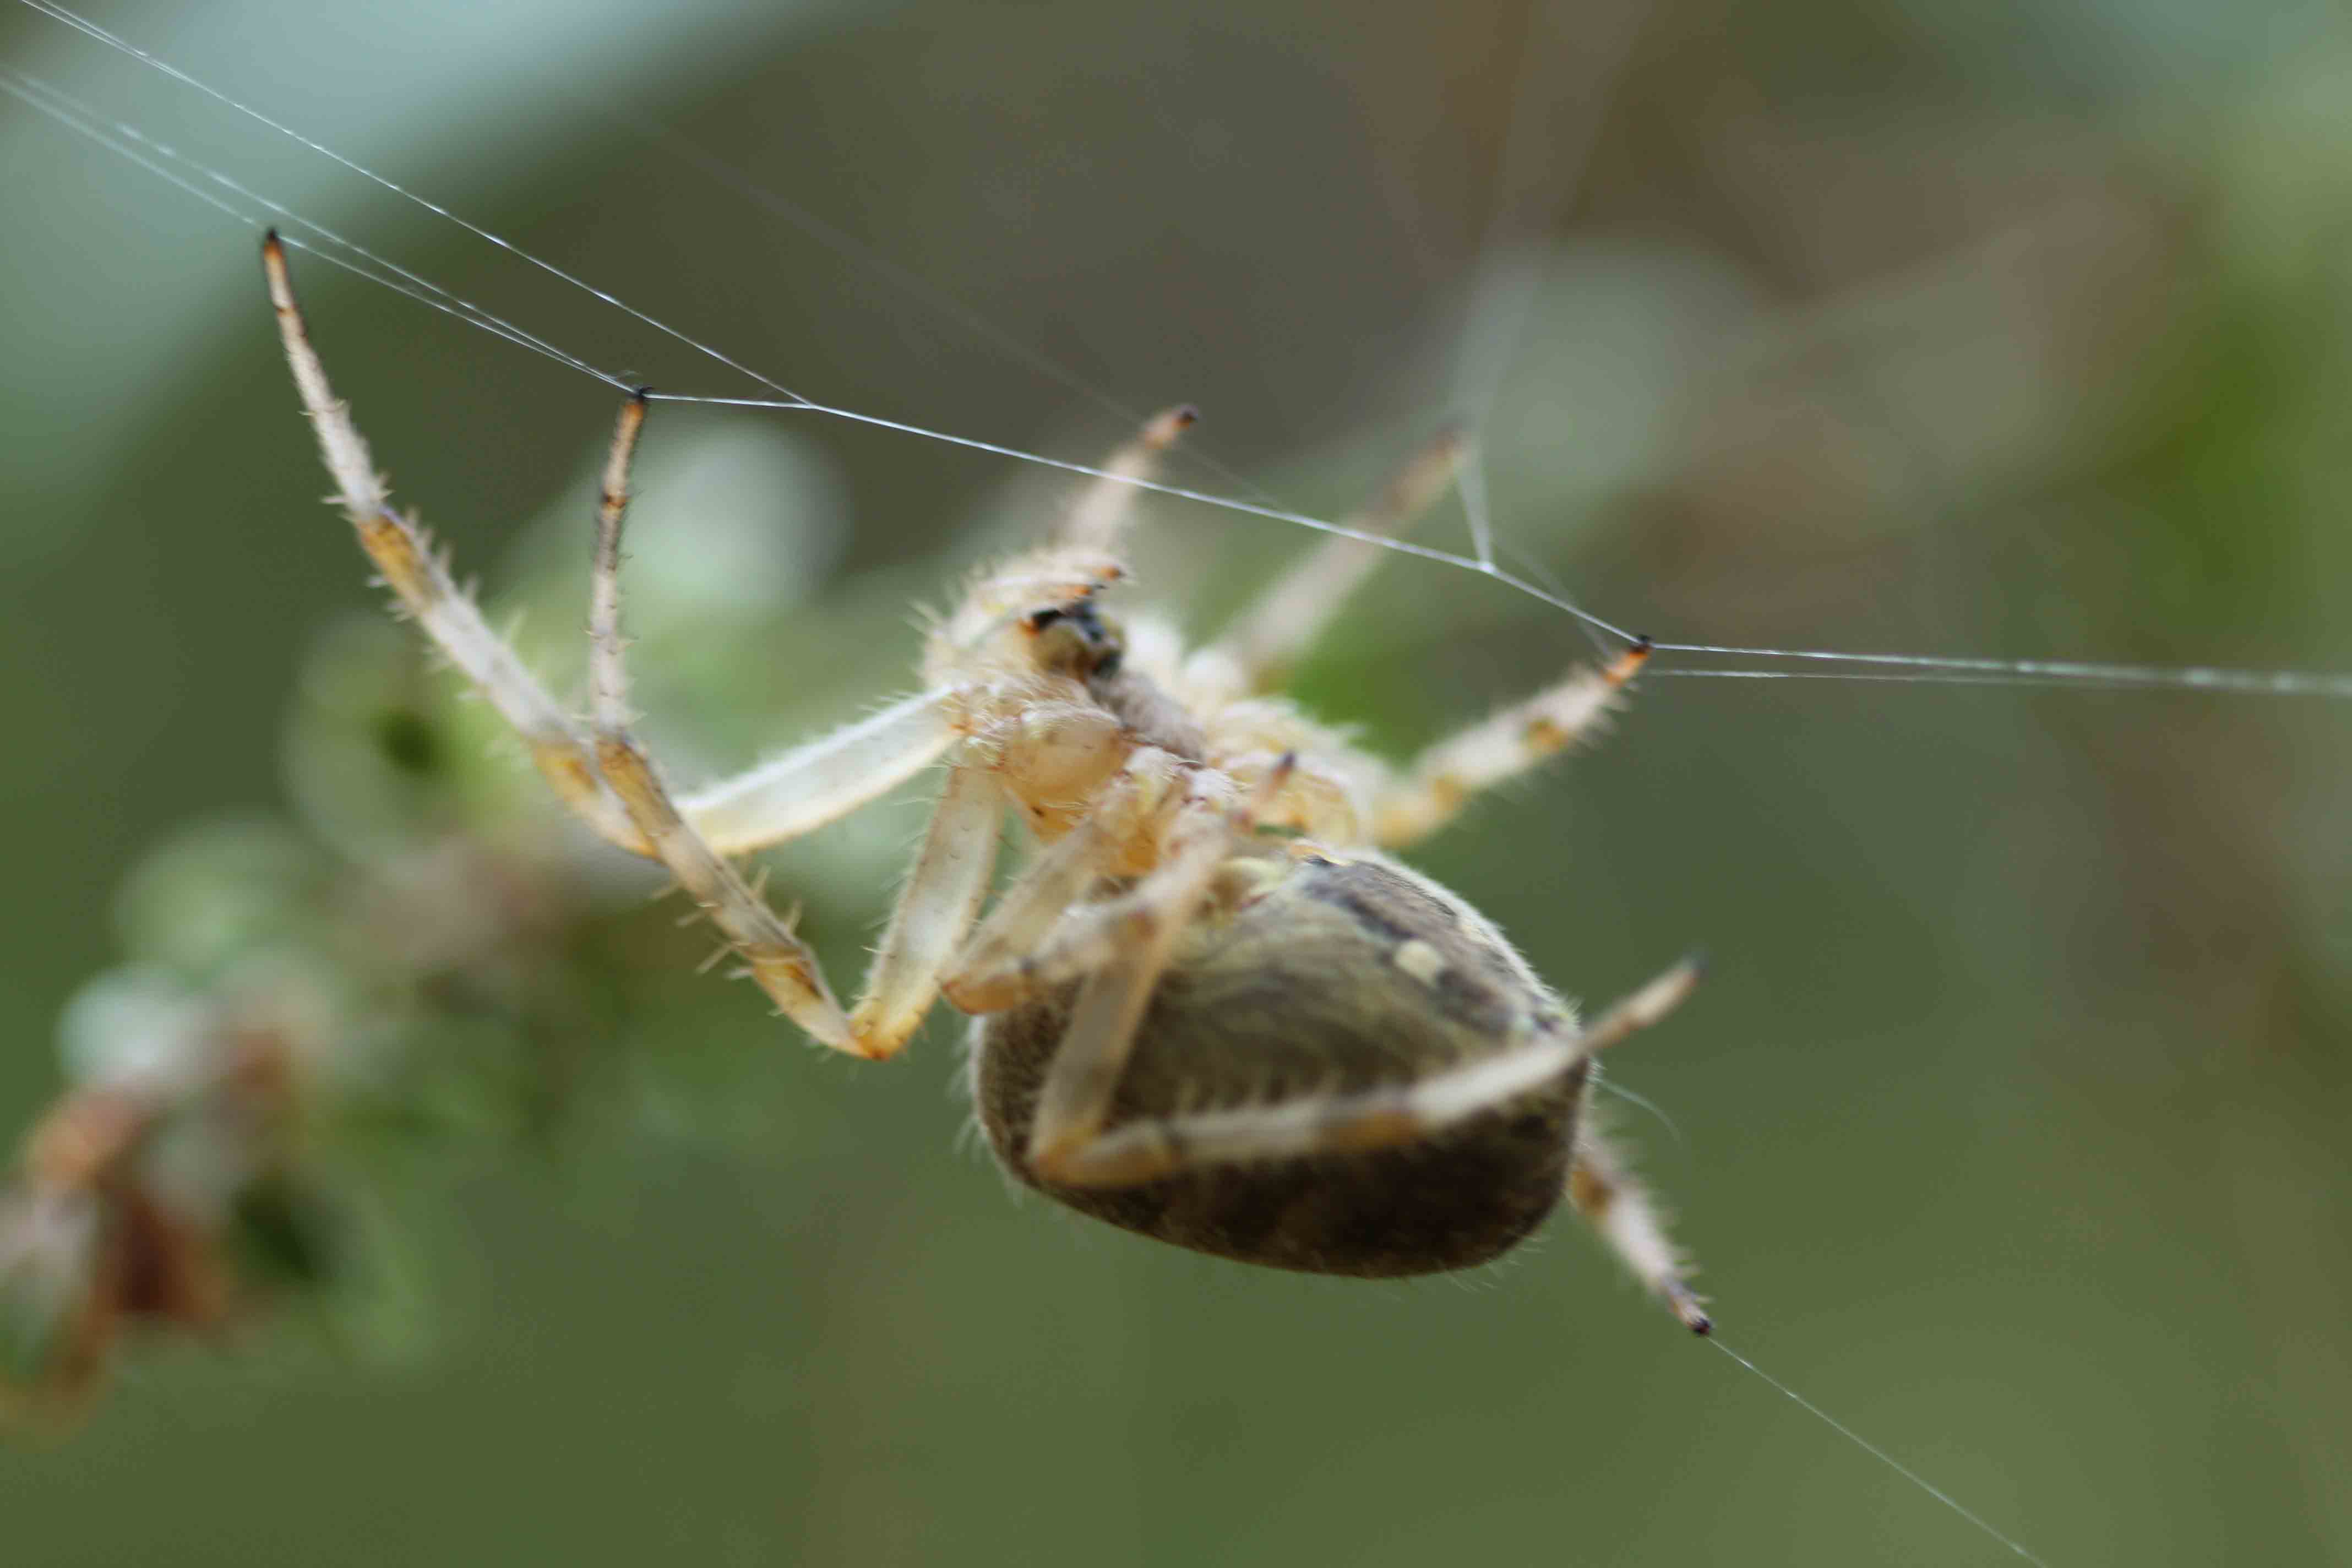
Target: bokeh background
(2010,1126)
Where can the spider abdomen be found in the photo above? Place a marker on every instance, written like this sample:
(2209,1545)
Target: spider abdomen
(1318,977)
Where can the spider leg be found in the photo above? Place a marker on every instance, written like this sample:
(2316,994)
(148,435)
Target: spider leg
(936,907)
(777,800)
(1075,1099)
(782,963)
(1089,938)
(1101,511)
(1262,645)
(989,976)
(403,554)
(1608,1198)
(1069,744)
(1441,780)
(942,894)
(830,777)
(1383,1118)
(1615,1205)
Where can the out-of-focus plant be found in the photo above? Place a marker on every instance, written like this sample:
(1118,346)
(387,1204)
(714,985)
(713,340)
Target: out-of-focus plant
(397,966)
(423,953)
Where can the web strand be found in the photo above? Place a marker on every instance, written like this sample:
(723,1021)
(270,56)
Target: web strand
(1918,668)
(1488,347)
(1179,493)
(1875,1452)
(125,139)
(1489,344)
(913,286)
(1470,480)
(39,96)
(82,24)
(1937,670)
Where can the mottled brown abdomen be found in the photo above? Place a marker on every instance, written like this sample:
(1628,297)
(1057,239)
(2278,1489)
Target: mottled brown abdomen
(1300,991)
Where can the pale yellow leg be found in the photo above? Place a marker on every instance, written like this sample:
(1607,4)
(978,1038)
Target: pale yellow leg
(986,976)
(779,961)
(605,775)
(1080,941)
(1075,1100)
(403,554)
(1077,1096)
(1266,640)
(935,911)
(1370,1118)
(1101,512)
(775,801)
(826,779)
(1615,1205)
(1440,782)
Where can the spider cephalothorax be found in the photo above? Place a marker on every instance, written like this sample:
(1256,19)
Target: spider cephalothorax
(1211,1007)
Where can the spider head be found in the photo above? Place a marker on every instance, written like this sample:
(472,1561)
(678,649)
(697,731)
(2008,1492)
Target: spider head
(1074,638)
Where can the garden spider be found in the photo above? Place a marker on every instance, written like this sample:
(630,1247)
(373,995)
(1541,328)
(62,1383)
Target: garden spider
(1211,1009)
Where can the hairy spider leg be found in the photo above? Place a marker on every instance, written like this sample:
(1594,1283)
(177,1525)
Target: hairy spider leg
(605,776)
(1075,1101)
(993,971)
(779,961)
(1437,783)
(1609,1199)
(404,557)
(824,780)
(1257,651)
(1102,509)
(1145,1151)
(1089,937)
(935,911)
(772,802)
(941,895)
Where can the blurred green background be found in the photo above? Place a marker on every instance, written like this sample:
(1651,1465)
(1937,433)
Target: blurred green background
(2011,1124)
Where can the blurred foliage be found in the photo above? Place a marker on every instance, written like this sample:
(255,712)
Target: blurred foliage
(2010,1122)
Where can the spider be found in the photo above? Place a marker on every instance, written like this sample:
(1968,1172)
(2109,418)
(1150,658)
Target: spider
(1212,1008)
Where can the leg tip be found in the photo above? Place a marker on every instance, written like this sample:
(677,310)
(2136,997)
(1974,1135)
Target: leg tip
(1687,1307)
(1161,432)
(1628,665)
